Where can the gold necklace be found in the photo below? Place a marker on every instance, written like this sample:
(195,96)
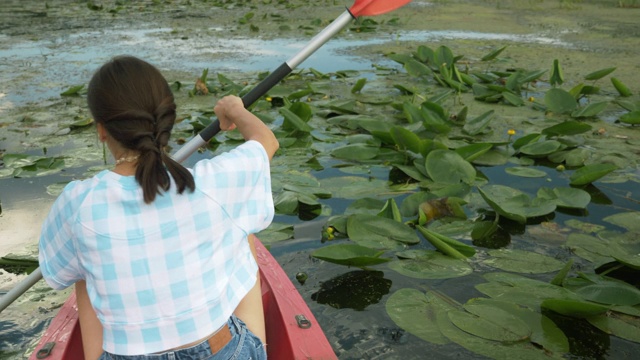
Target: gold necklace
(128,159)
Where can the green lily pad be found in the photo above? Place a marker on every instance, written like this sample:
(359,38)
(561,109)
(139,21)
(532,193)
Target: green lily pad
(350,255)
(521,290)
(354,187)
(567,128)
(431,265)
(448,167)
(521,261)
(620,325)
(407,139)
(632,117)
(597,75)
(479,124)
(447,245)
(418,313)
(379,233)
(609,291)
(355,152)
(628,220)
(293,122)
(541,148)
(525,172)
(275,233)
(544,332)
(590,173)
(514,204)
(560,101)
(574,308)
(490,322)
(566,197)
(590,110)
(590,248)
(473,151)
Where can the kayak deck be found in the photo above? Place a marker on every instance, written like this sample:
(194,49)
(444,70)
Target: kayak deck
(292,330)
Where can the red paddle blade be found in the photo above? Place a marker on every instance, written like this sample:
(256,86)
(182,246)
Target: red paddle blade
(375,7)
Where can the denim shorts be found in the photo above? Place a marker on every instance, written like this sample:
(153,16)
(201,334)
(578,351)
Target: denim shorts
(244,345)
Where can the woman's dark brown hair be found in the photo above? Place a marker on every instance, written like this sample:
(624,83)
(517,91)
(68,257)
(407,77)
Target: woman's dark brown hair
(134,103)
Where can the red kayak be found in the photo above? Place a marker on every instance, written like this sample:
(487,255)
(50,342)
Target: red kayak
(292,330)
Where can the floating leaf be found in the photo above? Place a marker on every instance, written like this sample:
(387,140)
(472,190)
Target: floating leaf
(590,110)
(418,313)
(293,121)
(521,261)
(574,308)
(567,128)
(514,204)
(590,173)
(355,152)
(447,245)
(525,172)
(416,68)
(378,232)
(522,290)
(622,89)
(515,100)
(407,139)
(275,233)
(628,220)
(610,292)
(73,91)
(620,325)
(490,322)
(597,75)
(448,167)
(349,255)
(566,197)
(478,124)
(432,265)
(473,151)
(541,148)
(560,101)
(632,117)
(544,332)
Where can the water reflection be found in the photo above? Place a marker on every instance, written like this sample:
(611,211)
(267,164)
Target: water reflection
(69,60)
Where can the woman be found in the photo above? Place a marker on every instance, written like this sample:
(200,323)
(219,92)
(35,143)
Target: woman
(161,252)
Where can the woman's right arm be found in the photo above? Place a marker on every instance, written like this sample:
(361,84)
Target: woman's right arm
(90,326)
(232,114)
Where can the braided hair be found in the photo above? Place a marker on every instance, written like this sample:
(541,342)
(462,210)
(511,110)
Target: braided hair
(134,103)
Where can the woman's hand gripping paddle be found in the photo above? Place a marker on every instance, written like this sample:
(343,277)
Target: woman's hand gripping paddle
(359,8)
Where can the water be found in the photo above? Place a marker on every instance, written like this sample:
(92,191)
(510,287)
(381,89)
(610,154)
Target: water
(51,66)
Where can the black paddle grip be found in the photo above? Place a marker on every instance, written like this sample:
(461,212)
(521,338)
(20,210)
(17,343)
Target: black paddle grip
(252,96)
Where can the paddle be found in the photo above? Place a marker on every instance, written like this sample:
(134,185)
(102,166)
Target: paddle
(359,8)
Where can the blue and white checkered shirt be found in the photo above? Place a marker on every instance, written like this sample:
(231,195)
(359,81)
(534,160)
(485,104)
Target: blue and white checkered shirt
(168,273)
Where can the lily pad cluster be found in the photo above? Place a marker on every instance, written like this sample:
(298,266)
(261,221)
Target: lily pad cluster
(440,206)
(400,162)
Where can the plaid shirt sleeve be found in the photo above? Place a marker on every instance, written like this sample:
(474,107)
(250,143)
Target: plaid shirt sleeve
(57,249)
(241,184)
